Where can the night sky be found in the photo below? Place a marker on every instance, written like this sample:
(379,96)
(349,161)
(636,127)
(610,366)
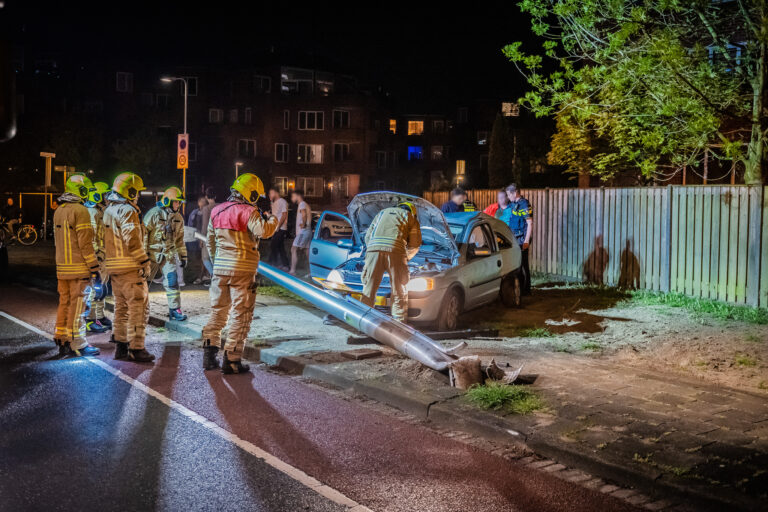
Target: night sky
(418,53)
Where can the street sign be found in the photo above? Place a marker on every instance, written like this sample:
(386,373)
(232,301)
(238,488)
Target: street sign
(47,155)
(182,151)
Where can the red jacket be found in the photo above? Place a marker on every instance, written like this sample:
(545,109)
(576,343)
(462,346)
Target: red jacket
(492,209)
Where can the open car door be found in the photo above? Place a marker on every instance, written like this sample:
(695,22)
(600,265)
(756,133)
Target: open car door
(333,242)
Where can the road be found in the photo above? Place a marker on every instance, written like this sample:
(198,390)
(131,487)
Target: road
(88,434)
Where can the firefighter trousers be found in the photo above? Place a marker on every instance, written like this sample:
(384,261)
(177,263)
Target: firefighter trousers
(131,309)
(73,306)
(394,263)
(238,293)
(97,306)
(170,281)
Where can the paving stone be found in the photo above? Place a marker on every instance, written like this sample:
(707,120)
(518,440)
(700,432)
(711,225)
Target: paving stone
(714,398)
(554,468)
(607,489)
(624,493)
(668,398)
(657,505)
(646,430)
(638,499)
(575,476)
(729,436)
(609,419)
(541,464)
(361,353)
(729,452)
(594,483)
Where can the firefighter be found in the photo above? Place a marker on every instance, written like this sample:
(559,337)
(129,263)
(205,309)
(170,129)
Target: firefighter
(128,266)
(97,321)
(393,238)
(76,267)
(165,244)
(234,232)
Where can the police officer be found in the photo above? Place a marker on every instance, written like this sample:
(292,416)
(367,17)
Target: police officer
(234,232)
(393,238)
(521,222)
(97,321)
(76,267)
(165,245)
(128,266)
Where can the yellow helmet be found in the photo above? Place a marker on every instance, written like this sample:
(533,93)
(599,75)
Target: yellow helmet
(128,185)
(172,194)
(407,205)
(249,186)
(78,184)
(96,194)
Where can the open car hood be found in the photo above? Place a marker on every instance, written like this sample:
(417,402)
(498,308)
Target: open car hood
(435,234)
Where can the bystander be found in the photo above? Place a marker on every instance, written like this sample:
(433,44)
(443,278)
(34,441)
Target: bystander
(279,209)
(303,236)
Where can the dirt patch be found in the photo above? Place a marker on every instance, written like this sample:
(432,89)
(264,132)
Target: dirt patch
(410,370)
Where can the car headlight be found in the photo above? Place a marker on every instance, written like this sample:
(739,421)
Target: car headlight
(420,284)
(334,276)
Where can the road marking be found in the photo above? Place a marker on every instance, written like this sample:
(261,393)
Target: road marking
(285,468)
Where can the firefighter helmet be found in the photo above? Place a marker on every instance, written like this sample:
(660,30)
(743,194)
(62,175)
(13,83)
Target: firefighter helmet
(172,194)
(96,194)
(249,186)
(407,205)
(128,185)
(78,184)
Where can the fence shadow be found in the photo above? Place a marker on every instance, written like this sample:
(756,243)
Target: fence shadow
(629,272)
(593,269)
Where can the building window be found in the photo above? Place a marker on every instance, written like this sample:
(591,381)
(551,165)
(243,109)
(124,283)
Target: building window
(310,154)
(482,138)
(436,153)
(393,125)
(415,127)
(438,126)
(415,153)
(297,81)
(377,124)
(341,118)
(281,184)
(311,185)
(215,115)
(191,86)
(461,167)
(233,116)
(340,151)
(286,119)
(462,115)
(193,152)
(281,152)
(311,120)
(124,82)
(262,84)
(381,159)
(510,109)
(162,101)
(248,115)
(246,148)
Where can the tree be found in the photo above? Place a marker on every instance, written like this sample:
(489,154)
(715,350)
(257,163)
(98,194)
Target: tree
(501,154)
(147,154)
(649,84)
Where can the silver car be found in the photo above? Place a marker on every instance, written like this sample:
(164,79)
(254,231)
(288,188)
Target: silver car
(466,259)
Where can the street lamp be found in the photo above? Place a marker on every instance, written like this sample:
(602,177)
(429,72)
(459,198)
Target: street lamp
(168,80)
(237,168)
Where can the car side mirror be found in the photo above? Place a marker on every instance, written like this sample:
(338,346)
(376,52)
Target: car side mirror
(346,243)
(478,252)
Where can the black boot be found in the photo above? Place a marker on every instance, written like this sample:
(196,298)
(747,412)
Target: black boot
(140,355)
(121,350)
(112,339)
(229,367)
(209,356)
(62,347)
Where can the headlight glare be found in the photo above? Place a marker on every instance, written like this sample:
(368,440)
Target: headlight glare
(334,276)
(420,284)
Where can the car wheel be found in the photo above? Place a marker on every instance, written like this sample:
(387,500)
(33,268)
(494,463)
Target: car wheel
(448,319)
(511,290)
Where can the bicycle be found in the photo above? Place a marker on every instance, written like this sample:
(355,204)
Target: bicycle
(26,235)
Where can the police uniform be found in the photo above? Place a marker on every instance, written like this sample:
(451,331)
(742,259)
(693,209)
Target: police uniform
(393,234)
(520,212)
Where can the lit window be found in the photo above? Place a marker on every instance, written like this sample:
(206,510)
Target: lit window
(393,125)
(461,167)
(341,118)
(311,120)
(246,148)
(281,152)
(311,185)
(310,154)
(414,153)
(436,152)
(281,184)
(415,127)
(215,115)
(482,138)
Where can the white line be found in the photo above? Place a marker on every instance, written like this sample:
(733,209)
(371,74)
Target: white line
(291,471)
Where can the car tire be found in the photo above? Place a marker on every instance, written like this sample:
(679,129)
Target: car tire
(511,290)
(448,318)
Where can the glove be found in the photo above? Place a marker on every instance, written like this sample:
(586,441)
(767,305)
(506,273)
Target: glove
(526,245)
(146,268)
(95,279)
(183,262)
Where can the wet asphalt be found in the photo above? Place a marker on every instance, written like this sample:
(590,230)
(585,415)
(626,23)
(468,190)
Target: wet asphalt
(75,437)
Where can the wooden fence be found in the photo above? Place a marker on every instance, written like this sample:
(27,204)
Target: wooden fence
(703,241)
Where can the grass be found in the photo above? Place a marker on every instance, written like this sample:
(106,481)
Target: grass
(278,291)
(497,396)
(711,308)
(590,345)
(536,332)
(745,360)
(762,385)
(754,338)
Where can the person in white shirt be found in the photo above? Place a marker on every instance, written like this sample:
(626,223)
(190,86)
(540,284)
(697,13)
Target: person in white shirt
(279,209)
(303,229)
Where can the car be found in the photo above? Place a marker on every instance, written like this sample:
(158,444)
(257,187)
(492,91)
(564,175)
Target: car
(466,259)
(330,228)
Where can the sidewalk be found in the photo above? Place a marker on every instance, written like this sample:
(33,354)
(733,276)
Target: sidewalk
(661,434)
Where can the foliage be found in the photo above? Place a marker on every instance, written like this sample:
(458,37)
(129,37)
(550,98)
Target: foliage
(148,155)
(501,165)
(497,396)
(536,332)
(647,84)
(712,308)
(278,291)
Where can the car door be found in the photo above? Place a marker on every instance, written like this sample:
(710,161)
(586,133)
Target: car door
(483,266)
(331,245)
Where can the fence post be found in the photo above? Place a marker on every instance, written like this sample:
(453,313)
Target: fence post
(754,242)
(665,276)
(545,232)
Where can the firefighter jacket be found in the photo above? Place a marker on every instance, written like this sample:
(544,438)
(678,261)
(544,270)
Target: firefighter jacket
(233,237)
(393,230)
(123,236)
(164,238)
(73,236)
(96,211)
